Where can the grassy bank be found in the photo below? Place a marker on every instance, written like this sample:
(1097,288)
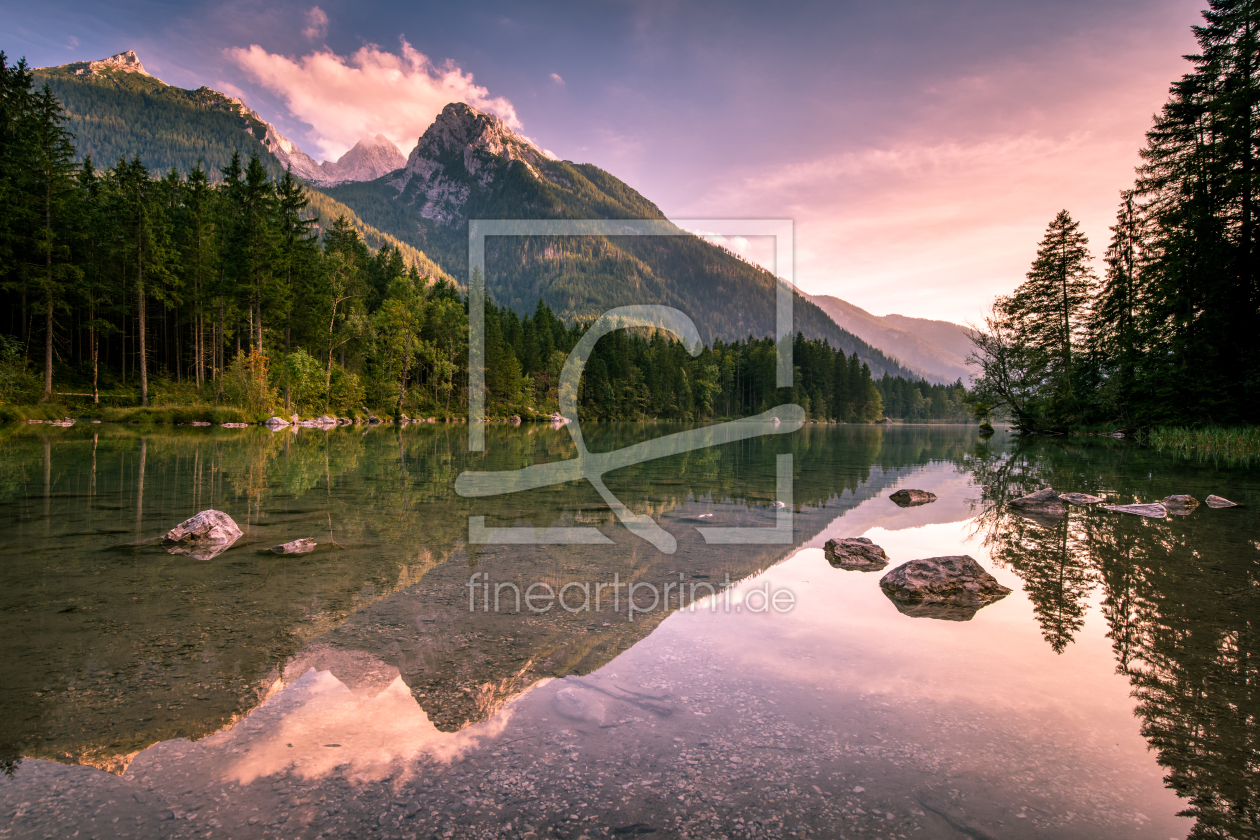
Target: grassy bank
(1233,444)
(146,415)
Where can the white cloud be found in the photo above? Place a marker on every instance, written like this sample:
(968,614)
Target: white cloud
(72,42)
(316,23)
(346,98)
(555,77)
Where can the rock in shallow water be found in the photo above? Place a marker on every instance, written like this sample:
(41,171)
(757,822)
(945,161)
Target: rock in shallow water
(302,546)
(910,498)
(204,536)
(207,526)
(855,553)
(577,704)
(1180,505)
(1218,502)
(1045,501)
(1155,511)
(951,588)
(1080,498)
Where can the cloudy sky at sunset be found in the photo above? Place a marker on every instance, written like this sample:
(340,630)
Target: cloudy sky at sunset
(921,147)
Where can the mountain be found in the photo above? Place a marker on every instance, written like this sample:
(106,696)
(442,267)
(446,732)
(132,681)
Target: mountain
(115,107)
(938,348)
(370,158)
(470,165)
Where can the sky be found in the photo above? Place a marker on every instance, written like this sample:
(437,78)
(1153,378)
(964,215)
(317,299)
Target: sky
(919,146)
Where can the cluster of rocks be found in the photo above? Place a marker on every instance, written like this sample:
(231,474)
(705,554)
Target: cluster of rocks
(950,588)
(1177,505)
(64,422)
(1046,502)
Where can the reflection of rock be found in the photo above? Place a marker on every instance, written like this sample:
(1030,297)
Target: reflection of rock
(910,498)
(856,553)
(951,588)
(577,704)
(1180,505)
(1155,511)
(1045,502)
(1080,498)
(362,673)
(302,546)
(936,609)
(1218,502)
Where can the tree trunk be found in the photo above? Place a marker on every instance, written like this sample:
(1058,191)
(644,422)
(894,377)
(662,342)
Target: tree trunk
(96,394)
(48,349)
(141,345)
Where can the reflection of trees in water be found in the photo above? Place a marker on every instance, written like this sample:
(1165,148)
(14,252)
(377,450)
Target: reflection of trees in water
(1181,599)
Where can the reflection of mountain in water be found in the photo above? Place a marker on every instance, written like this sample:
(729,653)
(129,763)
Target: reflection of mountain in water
(123,645)
(1181,599)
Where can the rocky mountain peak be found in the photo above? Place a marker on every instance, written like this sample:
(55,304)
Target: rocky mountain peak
(460,126)
(463,138)
(127,62)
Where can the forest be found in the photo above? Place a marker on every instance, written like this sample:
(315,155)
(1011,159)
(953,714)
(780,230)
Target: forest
(223,287)
(1168,335)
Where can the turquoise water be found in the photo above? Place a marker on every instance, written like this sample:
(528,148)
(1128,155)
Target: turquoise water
(367,687)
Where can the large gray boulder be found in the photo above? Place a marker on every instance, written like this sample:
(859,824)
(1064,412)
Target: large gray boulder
(951,588)
(856,554)
(1215,501)
(204,536)
(1045,502)
(911,498)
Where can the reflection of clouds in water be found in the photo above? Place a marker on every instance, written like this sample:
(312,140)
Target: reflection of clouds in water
(318,726)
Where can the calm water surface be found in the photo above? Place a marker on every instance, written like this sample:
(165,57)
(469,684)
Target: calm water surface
(353,692)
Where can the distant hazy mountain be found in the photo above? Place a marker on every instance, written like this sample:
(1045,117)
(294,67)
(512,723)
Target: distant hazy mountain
(939,348)
(470,165)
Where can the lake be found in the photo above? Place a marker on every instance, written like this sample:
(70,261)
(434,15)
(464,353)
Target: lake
(402,681)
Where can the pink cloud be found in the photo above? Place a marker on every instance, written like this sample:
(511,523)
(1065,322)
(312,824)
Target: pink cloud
(316,23)
(346,98)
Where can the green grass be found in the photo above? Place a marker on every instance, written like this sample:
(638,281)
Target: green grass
(1237,444)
